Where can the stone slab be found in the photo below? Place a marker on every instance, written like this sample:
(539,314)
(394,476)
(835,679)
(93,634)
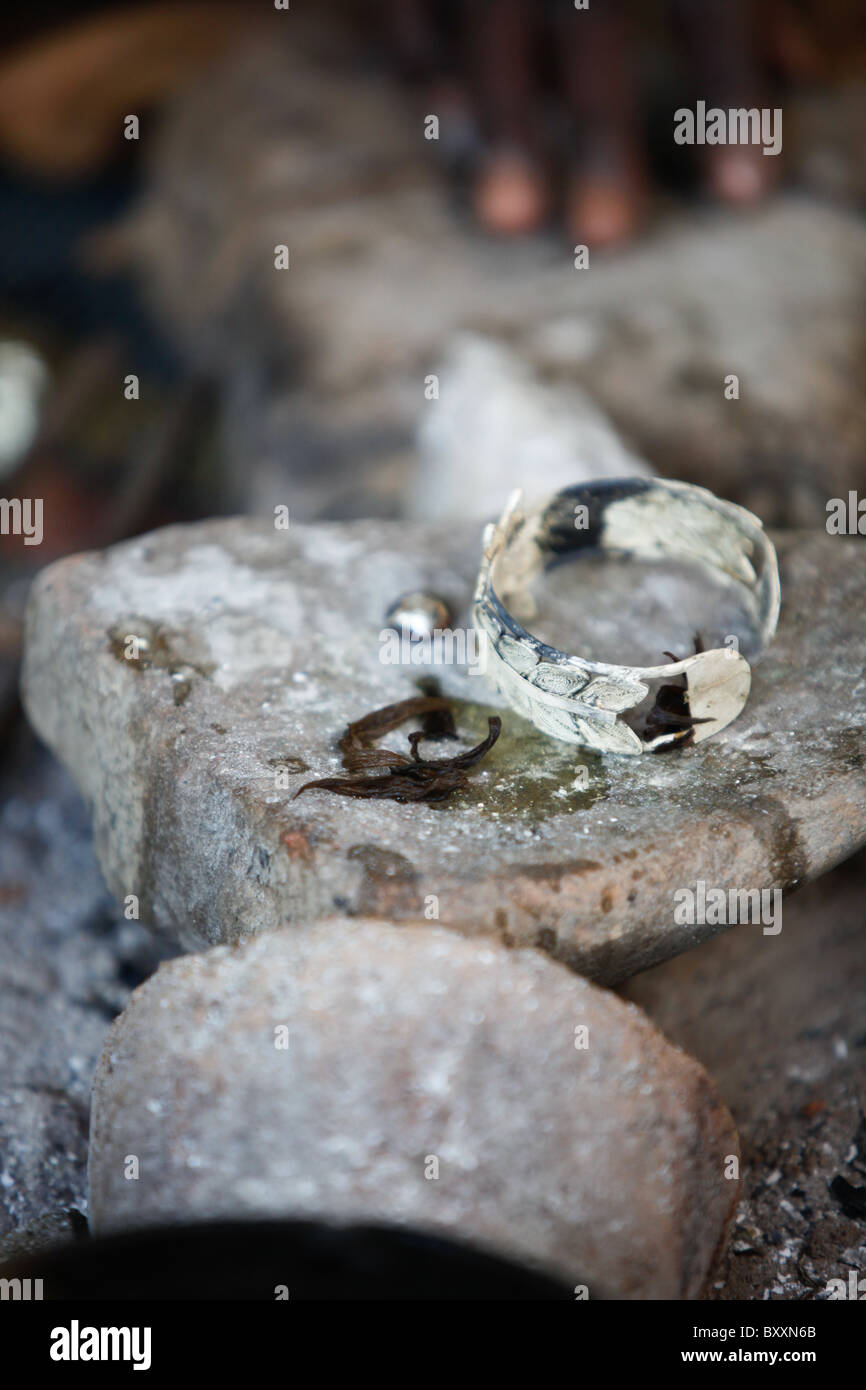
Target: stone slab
(265,643)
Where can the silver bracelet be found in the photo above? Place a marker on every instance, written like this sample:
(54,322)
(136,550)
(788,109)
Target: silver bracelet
(583,701)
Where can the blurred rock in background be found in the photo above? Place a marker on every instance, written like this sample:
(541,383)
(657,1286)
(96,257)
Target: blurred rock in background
(323,366)
(497,427)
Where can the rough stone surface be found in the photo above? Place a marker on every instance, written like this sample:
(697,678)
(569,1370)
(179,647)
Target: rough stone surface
(68,961)
(604,1163)
(780,1023)
(386,268)
(264,644)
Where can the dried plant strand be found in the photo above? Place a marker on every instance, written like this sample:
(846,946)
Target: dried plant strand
(402,778)
(671,713)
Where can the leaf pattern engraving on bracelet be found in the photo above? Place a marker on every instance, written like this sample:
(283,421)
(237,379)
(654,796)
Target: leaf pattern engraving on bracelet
(582,701)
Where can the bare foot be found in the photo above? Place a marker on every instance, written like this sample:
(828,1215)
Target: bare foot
(510,197)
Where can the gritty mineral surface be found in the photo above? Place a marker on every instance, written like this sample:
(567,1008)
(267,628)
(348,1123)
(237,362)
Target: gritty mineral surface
(68,961)
(780,1023)
(256,646)
(366,1071)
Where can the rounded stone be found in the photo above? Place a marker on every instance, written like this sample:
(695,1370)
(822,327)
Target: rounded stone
(360,1071)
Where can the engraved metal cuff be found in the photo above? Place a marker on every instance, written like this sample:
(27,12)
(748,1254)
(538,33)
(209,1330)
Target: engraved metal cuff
(593,703)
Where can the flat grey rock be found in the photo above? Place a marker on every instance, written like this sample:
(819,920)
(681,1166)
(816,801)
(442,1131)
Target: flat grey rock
(264,644)
(425,1080)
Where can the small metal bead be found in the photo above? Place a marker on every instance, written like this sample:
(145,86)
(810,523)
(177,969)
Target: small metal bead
(418,615)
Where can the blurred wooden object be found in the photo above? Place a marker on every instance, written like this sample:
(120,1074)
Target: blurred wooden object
(63,96)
